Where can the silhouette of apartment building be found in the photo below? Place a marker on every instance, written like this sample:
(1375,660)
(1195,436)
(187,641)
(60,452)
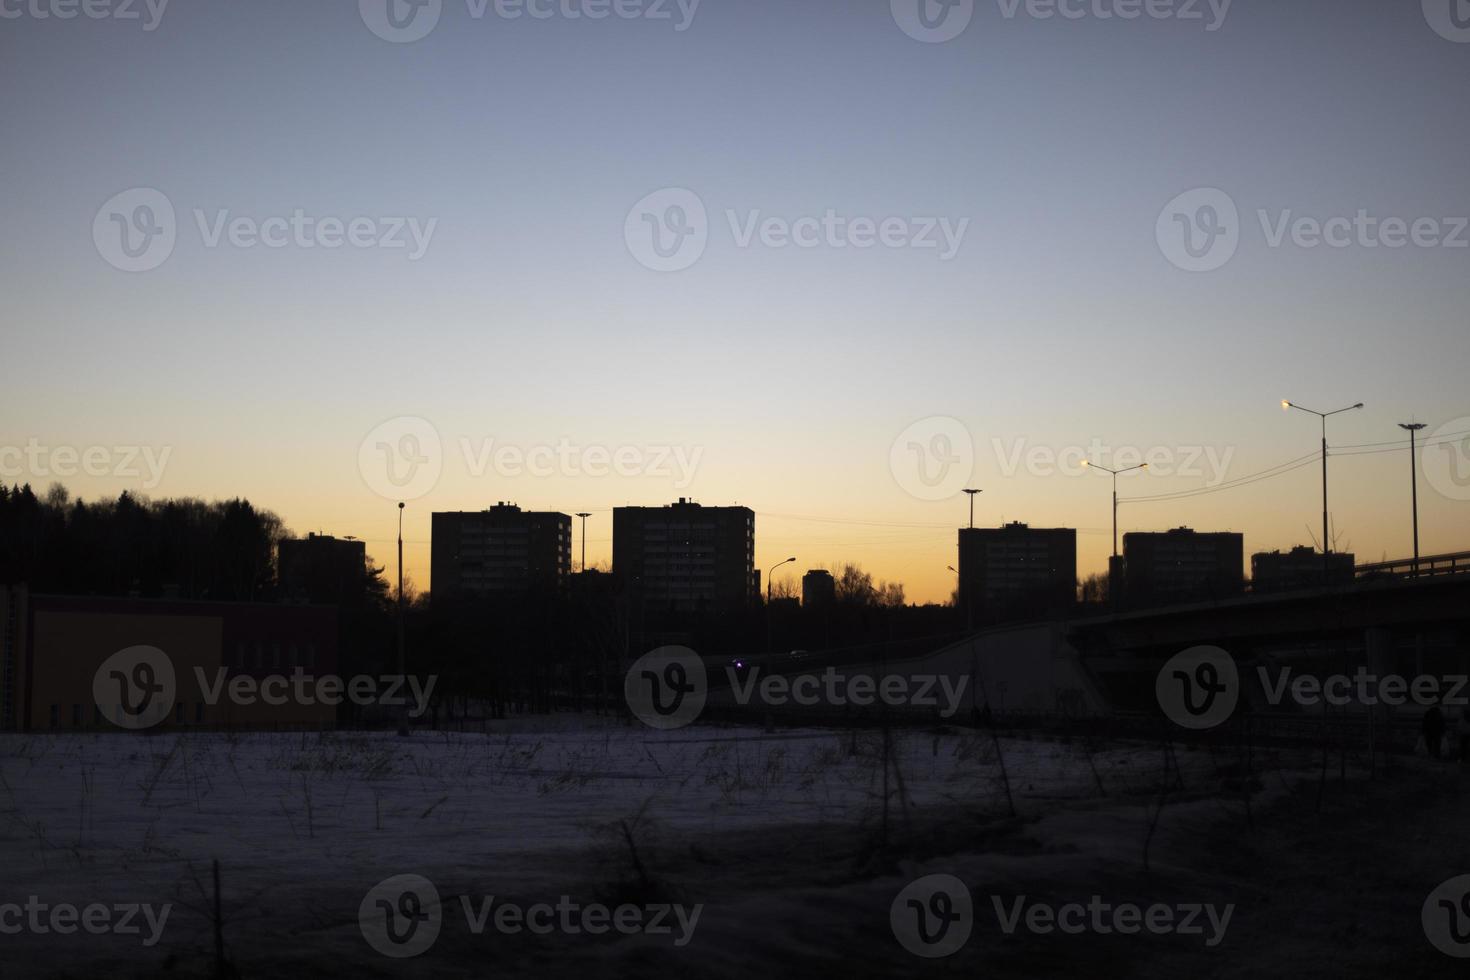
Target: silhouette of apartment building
(1299,568)
(818,588)
(322,568)
(502,549)
(1181,565)
(685,556)
(1017,570)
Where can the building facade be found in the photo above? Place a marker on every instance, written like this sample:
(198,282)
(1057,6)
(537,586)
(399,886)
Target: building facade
(503,549)
(1182,565)
(323,569)
(1299,568)
(1017,570)
(685,557)
(55,653)
(818,588)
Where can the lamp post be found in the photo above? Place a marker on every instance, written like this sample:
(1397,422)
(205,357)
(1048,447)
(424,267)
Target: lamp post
(584,515)
(771,572)
(1324,416)
(1413,428)
(1113,562)
(769,629)
(972,505)
(1126,469)
(402,667)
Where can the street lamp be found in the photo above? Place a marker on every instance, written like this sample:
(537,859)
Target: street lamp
(402,668)
(584,515)
(972,505)
(1412,428)
(1326,541)
(1126,469)
(771,572)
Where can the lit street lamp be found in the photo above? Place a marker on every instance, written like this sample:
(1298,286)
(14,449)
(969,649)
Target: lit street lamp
(1326,541)
(1413,428)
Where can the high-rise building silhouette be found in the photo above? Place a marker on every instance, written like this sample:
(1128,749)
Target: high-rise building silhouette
(1016,569)
(1181,565)
(685,556)
(502,549)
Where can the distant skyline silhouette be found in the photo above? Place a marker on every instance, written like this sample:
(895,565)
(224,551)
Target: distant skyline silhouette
(1059,319)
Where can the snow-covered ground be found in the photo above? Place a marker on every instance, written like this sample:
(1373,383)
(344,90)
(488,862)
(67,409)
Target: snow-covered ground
(303,825)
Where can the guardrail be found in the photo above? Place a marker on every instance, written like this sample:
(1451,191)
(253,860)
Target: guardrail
(1428,566)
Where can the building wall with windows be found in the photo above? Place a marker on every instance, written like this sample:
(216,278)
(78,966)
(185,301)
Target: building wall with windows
(685,556)
(1182,565)
(1017,570)
(502,549)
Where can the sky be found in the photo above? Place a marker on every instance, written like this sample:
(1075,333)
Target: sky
(992,269)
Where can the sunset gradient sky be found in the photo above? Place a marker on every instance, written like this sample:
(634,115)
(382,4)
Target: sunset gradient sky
(790,371)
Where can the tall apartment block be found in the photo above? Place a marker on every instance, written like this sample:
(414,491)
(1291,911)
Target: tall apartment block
(503,549)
